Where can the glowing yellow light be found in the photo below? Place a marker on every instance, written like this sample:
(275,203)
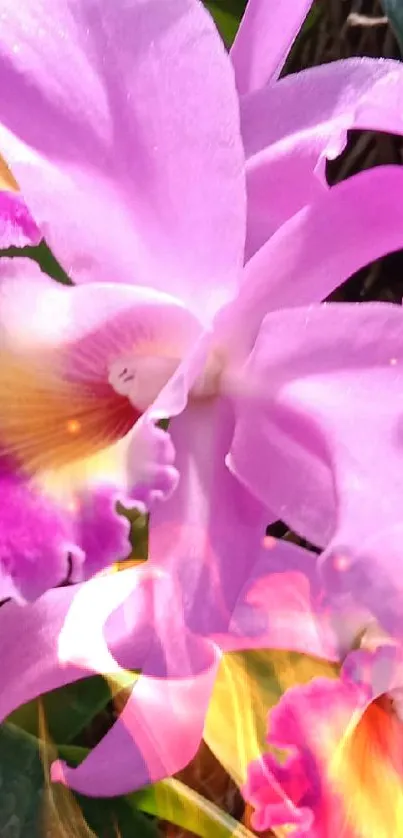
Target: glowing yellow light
(73,426)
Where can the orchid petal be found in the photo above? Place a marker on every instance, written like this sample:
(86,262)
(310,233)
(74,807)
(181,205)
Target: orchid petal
(64,315)
(151,456)
(353,224)
(338,375)
(265,36)
(294,792)
(344,769)
(45,543)
(156,735)
(132,164)
(376,669)
(209,532)
(136,622)
(209,536)
(37,541)
(294,476)
(281,607)
(248,684)
(17,228)
(291,128)
(51,642)
(102,533)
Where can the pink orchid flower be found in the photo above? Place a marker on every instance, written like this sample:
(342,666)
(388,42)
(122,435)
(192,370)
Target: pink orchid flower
(343,775)
(143,619)
(133,168)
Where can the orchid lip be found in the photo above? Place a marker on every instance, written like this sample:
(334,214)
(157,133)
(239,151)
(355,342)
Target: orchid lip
(141,377)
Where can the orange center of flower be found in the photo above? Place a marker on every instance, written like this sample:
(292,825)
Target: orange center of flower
(367,772)
(48,421)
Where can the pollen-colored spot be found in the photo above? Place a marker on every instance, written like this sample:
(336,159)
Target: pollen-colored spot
(393,362)
(73,426)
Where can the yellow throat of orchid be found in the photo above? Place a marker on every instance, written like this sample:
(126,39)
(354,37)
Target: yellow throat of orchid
(366,771)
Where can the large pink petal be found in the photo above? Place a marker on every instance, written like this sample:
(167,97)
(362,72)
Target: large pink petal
(136,621)
(39,313)
(120,123)
(267,31)
(352,224)
(294,476)
(157,733)
(209,536)
(281,606)
(210,531)
(336,370)
(69,633)
(160,728)
(292,127)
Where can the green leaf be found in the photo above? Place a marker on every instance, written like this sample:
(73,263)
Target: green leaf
(21,784)
(31,807)
(227,15)
(175,802)
(67,710)
(394,11)
(309,23)
(247,686)
(116,818)
(45,259)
